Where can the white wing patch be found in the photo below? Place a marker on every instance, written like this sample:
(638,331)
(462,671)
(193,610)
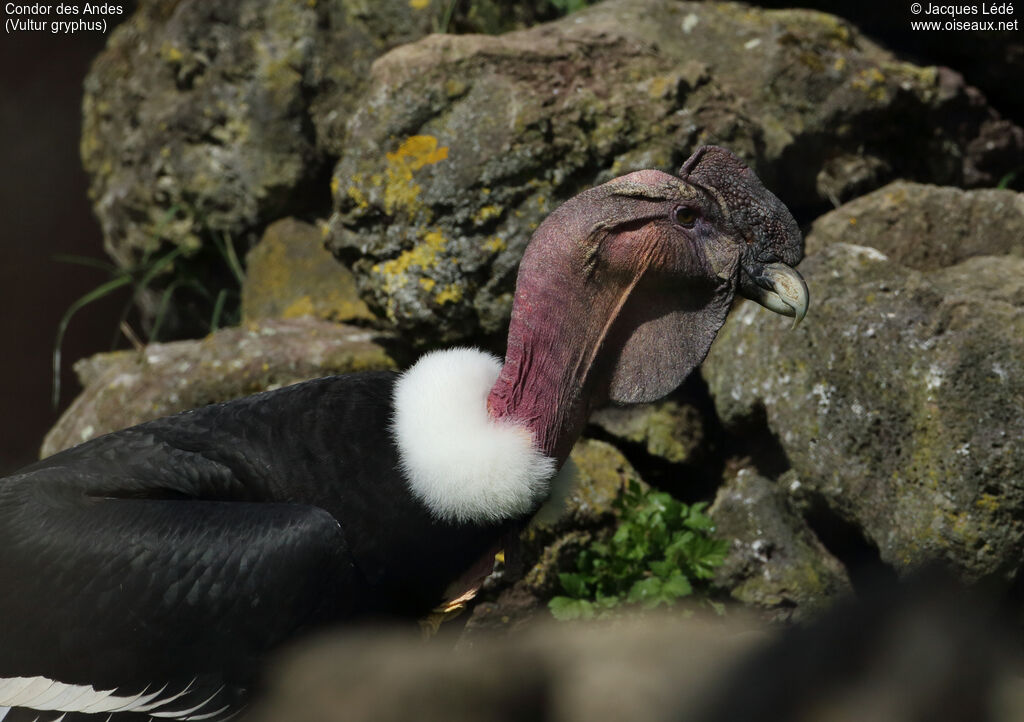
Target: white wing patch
(42,693)
(462,464)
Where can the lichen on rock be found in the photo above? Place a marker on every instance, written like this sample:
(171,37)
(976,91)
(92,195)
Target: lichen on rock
(900,400)
(125,388)
(290,274)
(463,144)
(775,561)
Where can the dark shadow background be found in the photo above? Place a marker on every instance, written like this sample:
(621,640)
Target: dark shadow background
(45,211)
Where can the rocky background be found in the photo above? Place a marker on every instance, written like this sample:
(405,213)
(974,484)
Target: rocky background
(342,185)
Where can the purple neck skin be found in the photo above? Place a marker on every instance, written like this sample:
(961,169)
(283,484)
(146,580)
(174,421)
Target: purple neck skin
(554,374)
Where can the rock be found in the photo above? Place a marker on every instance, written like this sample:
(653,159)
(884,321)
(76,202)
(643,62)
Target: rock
(899,401)
(927,652)
(631,670)
(668,429)
(991,59)
(898,218)
(206,119)
(290,274)
(125,388)
(463,144)
(204,122)
(775,561)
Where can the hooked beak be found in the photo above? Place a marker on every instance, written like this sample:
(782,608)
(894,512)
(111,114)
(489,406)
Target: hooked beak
(777,287)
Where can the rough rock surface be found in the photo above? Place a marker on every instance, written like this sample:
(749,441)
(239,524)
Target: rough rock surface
(927,653)
(125,388)
(289,274)
(992,60)
(628,671)
(214,118)
(900,400)
(775,561)
(925,226)
(670,429)
(462,144)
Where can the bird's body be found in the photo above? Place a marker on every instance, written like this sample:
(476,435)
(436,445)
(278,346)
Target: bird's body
(254,520)
(152,570)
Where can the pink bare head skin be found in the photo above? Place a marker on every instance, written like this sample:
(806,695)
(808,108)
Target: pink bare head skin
(623,288)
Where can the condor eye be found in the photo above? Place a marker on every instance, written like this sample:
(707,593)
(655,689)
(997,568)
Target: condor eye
(684,216)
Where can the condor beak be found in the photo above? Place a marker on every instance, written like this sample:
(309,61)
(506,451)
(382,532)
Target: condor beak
(777,287)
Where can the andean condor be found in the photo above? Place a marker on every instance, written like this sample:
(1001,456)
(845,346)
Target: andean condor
(149,571)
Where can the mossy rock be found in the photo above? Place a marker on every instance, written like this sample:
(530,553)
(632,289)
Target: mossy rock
(775,562)
(463,144)
(670,430)
(927,227)
(899,401)
(125,388)
(290,274)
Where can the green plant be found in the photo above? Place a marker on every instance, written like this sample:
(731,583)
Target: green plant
(659,551)
(178,269)
(570,6)
(1008,179)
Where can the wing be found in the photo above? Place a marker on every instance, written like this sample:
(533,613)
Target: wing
(157,605)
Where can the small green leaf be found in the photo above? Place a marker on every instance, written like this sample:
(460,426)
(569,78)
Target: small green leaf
(574,584)
(677,586)
(645,591)
(565,608)
(663,568)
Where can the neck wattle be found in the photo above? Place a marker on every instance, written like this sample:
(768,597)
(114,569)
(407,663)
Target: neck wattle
(550,383)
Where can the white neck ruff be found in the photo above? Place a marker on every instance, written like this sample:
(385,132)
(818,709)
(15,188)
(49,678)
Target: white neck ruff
(463,465)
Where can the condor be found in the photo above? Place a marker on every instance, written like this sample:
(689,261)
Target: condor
(150,571)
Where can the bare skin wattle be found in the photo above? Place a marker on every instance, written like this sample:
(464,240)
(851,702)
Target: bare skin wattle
(623,308)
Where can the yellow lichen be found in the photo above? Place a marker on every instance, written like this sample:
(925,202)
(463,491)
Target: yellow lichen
(418,151)
(335,184)
(495,245)
(486,213)
(658,87)
(449,294)
(988,502)
(454,88)
(428,284)
(419,4)
(171,54)
(872,82)
(423,255)
(358,197)
(401,191)
(302,306)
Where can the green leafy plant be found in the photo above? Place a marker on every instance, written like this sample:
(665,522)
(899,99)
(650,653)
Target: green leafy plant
(660,550)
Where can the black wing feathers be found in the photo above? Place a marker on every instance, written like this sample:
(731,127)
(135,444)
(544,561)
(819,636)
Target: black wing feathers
(239,524)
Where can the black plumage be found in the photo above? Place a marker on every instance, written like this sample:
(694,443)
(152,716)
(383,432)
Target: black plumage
(296,516)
